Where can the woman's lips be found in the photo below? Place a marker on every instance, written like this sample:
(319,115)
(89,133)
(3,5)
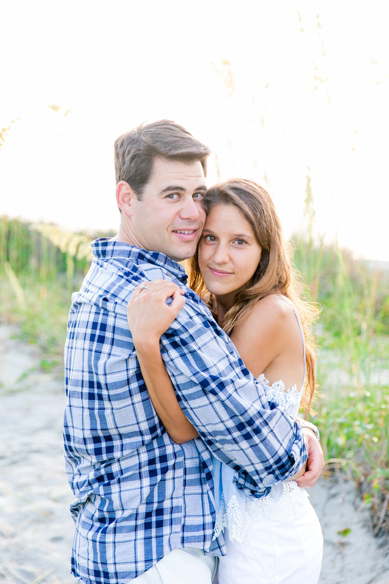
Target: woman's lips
(219,273)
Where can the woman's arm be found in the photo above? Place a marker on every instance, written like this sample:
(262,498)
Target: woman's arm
(161,392)
(147,324)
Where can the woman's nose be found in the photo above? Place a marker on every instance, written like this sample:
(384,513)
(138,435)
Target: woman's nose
(221,254)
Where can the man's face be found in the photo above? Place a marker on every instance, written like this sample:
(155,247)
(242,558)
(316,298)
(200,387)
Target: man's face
(169,217)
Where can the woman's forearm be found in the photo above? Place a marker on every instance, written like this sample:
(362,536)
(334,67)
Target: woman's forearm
(162,393)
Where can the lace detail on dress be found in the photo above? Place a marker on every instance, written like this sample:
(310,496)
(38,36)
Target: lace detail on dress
(233,519)
(288,399)
(231,515)
(237,522)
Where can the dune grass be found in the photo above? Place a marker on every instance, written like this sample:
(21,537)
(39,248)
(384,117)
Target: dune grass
(352,398)
(40,266)
(37,278)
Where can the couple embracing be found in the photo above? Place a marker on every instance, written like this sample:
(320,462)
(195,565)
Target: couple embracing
(182,442)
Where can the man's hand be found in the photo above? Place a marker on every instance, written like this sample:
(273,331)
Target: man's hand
(315,461)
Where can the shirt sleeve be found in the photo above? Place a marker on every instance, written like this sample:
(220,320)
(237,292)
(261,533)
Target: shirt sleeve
(228,406)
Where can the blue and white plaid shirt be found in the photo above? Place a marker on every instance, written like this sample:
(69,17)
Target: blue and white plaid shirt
(138,494)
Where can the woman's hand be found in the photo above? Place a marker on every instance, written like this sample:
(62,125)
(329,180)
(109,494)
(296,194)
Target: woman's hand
(299,473)
(148,314)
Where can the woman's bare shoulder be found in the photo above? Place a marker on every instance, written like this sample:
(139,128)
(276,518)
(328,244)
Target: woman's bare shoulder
(262,336)
(272,309)
(266,322)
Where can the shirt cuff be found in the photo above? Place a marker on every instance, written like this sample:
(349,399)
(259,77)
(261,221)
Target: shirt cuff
(305,424)
(297,456)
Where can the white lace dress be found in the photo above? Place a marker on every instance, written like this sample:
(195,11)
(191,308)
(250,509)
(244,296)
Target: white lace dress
(275,539)
(237,513)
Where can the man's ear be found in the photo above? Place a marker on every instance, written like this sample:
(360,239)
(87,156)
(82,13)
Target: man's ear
(125,197)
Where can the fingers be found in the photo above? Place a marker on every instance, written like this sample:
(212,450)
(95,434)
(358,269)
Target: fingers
(177,303)
(315,462)
(146,286)
(152,308)
(153,295)
(306,480)
(161,292)
(155,288)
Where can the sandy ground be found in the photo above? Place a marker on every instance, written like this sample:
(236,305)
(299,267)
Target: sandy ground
(35,526)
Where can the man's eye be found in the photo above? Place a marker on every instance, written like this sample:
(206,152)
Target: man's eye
(172,195)
(198,196)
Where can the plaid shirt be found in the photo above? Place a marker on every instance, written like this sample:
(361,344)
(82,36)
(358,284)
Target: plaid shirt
(138,494)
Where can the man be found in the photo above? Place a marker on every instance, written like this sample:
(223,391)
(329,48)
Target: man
(144,508)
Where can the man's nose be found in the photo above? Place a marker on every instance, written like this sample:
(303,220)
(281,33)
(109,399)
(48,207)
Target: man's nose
(191,209)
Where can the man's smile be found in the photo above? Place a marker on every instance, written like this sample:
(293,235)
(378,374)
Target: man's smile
(186,234)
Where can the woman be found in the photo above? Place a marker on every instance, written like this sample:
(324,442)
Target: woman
(241,269)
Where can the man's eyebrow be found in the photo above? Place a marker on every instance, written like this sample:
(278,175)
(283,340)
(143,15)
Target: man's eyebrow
(245,235)
(171,188)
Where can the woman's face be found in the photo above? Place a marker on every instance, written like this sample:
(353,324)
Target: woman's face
(228,251)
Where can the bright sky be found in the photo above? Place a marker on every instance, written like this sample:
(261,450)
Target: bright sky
(305,91)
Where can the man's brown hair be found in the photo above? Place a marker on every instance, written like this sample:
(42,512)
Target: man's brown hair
(135,151)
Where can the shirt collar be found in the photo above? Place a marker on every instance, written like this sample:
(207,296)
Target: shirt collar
(104,248)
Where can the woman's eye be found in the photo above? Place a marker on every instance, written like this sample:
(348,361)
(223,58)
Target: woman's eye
(209,238)
(240,241)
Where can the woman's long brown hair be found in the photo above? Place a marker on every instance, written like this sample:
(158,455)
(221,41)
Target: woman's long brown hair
(275,273)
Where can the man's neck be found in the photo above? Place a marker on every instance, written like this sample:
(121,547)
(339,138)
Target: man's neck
(126,236)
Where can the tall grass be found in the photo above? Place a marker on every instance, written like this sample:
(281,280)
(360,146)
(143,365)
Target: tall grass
(352,401)
(40,266)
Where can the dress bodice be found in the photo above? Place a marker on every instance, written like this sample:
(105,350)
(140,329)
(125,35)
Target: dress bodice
(288,399)
(235,510)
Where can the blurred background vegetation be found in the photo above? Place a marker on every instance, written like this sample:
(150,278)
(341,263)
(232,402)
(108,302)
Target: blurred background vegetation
(41,265)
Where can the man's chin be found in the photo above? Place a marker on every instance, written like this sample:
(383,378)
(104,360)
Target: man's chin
(184,252)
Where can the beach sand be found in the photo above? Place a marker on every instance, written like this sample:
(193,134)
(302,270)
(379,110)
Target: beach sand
(36,529)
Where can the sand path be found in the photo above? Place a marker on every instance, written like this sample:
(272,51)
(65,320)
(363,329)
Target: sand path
(35,526)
